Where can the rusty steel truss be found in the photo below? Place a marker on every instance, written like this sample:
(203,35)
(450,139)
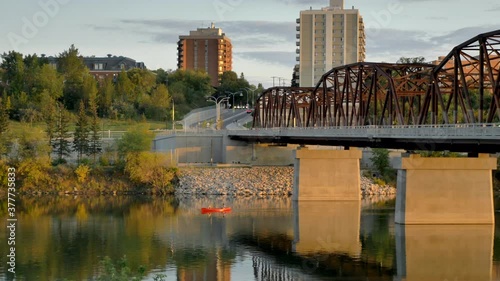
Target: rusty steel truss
(464,87)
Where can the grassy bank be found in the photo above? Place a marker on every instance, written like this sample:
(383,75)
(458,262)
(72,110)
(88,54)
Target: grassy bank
(65,179)
(17,128)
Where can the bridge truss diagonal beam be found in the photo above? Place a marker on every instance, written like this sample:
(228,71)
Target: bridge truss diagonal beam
(463,88)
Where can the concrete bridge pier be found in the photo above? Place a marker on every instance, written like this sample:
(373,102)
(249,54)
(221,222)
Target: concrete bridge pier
(326,175)
(445,190)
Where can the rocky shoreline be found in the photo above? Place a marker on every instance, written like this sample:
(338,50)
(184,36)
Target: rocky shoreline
(252,181)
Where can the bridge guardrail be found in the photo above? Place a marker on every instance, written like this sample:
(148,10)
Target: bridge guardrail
(469,131)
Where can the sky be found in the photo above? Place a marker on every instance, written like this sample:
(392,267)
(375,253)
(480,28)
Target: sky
(262,31)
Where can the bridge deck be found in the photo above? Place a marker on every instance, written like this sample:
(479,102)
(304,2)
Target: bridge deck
(452,137)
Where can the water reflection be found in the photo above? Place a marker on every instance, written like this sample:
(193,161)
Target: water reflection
(262,239)
(327,227)
(444,252)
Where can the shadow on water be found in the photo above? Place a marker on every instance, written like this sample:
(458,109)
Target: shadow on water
(261,239)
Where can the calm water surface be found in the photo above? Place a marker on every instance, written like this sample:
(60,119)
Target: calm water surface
(64,238)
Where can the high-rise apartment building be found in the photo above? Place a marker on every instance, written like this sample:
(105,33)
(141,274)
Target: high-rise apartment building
(207,49)
(327,38)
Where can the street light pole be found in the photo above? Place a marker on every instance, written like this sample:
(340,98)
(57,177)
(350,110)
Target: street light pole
(248,91)
(217,109)
(232,94)
(173,115)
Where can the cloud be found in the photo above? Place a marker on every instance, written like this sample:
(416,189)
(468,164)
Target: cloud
(259,41)
(418,1)
(304,2)
(245,34)
(260,34)
(493,9)
(461,35)
(391,44)
(275,57)
(440,18)
(394,43)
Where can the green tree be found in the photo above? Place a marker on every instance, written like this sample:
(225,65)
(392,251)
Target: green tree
(32,144)
(30,115)
(81,136)
(159,103)
(124,87)
(49,114)
(260,89)
(4,130)
(50,80)
(13,75)
(32,66)
(162,76)
(71,65)
(189,89)
(380,160)
(135,140)
(381,164)
(61,143)
(143,81)
(105,96)
(95,146)
(89,88)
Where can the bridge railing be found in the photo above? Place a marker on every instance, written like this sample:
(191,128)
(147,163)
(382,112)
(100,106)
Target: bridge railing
(470,131)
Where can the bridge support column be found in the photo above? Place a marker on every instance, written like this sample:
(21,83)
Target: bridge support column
(445,190)
(326,174)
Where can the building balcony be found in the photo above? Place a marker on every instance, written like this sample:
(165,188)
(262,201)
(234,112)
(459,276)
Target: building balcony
(298,36)
(297,43)
(297,21)
(297,58)
(297,28)
(297,51)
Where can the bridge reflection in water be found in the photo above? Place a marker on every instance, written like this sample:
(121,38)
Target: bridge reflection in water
(334,241)
(444,252)
(262,239)
(327,227)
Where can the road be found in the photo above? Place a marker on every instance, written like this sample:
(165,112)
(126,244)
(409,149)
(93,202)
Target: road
(231,120)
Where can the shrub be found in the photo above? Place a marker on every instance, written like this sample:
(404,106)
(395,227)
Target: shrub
(151,169)
(381,166)
(34,173)
(137,139)
(379,181)
(82,173)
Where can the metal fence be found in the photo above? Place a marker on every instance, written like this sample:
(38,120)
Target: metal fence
(464,131)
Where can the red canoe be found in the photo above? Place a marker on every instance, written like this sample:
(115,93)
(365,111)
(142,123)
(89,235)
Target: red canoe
(215,210)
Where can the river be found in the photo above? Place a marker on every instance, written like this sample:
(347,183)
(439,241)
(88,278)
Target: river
(65,238)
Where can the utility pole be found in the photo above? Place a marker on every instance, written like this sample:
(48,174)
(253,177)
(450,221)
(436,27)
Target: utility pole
(173,115)
(284,80)
(274,77)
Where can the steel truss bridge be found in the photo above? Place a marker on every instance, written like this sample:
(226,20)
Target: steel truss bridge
(458,100)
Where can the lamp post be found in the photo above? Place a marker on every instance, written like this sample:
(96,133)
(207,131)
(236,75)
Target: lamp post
(173,115)
(217,101)
(248,91)
(233,94)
